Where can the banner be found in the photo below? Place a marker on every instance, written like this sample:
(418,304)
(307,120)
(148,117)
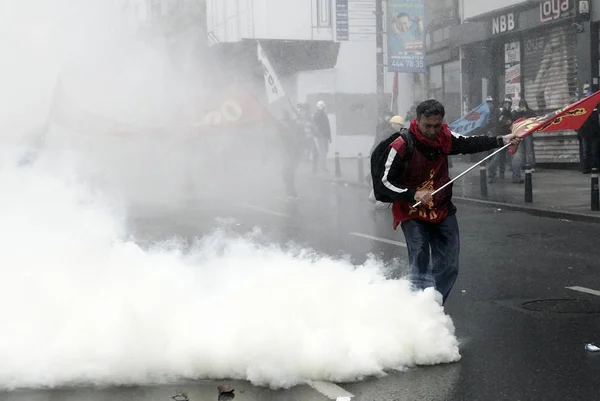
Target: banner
(512,72)
(478,117)
(273,86)
(406,36)
(571,117)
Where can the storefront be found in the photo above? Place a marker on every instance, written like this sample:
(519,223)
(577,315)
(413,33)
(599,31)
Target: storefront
(532,53)
(443,68)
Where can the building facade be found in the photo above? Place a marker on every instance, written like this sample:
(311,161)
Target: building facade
(442,59)
(542,52)
(321,50)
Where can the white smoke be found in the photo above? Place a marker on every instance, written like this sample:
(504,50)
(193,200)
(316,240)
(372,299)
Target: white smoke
(81,302)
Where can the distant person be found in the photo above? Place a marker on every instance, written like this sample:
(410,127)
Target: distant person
(323,133)
(410,174)
(394,124)
(527,148)
(311,147)
(497,166)
(292,137)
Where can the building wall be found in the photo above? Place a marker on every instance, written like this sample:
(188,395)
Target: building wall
(233,20)
(474,8)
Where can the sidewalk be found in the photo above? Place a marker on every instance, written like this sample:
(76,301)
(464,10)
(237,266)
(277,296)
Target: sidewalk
(556,193)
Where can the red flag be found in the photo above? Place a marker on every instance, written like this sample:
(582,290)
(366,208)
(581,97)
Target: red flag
(571,117)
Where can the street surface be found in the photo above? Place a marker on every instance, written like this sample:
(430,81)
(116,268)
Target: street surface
(509,352)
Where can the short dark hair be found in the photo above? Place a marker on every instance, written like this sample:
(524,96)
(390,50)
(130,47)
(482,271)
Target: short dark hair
(430,108)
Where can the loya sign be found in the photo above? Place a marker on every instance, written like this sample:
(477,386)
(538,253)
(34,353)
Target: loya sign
(503,23)
(551,10)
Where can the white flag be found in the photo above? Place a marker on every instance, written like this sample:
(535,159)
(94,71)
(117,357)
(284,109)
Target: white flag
(274,89)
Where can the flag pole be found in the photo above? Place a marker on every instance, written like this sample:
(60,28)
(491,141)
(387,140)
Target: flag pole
(465,172)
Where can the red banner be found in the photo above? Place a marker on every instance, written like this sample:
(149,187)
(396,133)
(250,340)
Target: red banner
(571,117)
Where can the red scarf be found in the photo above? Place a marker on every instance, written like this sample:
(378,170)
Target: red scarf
(443,140)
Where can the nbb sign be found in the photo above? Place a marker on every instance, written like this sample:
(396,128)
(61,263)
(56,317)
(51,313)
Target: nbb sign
(504,23)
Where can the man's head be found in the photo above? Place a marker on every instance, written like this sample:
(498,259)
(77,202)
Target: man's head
(430,118)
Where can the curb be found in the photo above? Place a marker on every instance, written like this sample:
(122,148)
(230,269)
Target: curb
(532,210)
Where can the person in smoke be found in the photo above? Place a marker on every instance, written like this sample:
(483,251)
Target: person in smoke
(502,127)
(431,229)
(311,145)
(395,124)
(323,132)
(292,137)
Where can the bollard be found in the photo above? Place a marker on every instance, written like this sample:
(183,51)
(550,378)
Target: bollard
(483,181)
(338,170)
(595,193)
(361,168)
(528,184)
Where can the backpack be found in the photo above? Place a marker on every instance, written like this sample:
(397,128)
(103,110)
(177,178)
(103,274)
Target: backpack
(379,158)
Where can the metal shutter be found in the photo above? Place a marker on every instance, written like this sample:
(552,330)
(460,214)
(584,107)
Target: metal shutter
(550,82)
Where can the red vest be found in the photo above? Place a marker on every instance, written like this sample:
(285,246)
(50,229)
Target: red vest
(423,174)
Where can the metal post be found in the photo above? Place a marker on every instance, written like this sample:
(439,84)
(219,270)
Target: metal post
(528,184)
(361,168)
(483,180)
(595,192)
(338,170)
(379,15)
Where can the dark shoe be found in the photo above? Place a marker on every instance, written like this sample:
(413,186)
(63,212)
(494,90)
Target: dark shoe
(521,181)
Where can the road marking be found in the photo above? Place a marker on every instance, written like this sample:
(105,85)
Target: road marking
(584,290)
(331,391)
(384,240)
(268,211)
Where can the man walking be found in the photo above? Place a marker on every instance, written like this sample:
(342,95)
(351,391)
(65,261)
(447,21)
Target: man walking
(411,174)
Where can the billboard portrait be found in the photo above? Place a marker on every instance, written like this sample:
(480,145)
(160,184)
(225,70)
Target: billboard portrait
(406,36)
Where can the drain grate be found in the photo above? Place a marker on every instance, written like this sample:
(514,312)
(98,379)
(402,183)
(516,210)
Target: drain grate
(563,306)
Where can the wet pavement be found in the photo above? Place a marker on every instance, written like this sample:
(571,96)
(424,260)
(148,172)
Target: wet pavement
(508,258)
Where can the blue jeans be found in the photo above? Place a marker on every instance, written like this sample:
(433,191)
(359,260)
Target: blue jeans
(433,252)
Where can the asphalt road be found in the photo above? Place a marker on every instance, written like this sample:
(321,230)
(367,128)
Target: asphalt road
(508,259)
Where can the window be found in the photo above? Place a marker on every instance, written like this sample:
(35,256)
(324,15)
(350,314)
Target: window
(324,13)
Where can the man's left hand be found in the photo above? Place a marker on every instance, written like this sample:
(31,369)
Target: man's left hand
(511,139)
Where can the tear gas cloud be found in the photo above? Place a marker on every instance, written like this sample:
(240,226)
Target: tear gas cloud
(124,105)
(83,303)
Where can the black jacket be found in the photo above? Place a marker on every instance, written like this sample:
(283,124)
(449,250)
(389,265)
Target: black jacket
(321,121)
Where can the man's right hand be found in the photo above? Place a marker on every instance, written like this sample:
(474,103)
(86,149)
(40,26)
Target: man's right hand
(424,197)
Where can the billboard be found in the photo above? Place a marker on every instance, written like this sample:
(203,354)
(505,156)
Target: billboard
(406,36)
